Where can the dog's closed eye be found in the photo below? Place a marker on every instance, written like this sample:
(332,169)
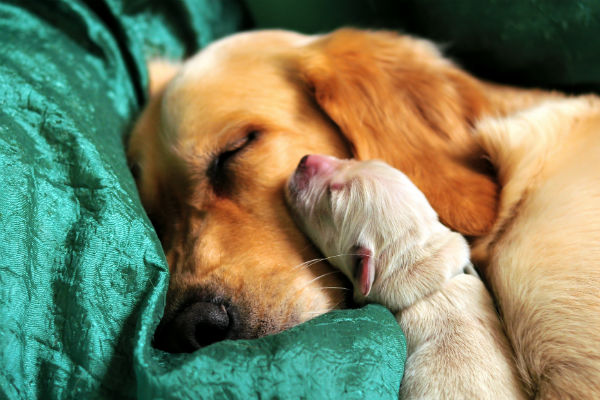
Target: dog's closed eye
(218,172)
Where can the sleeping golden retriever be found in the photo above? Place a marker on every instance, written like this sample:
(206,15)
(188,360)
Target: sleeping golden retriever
(514,170)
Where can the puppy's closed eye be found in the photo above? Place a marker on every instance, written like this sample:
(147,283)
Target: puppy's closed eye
(218,171)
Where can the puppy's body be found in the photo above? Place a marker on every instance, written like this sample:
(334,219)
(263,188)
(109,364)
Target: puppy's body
(379,229)
(456,346)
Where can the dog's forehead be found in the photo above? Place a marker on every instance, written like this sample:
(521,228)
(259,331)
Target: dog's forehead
(238,53)
(241,78)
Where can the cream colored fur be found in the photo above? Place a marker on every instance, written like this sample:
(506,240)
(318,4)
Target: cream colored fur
(543,255)
(456,346)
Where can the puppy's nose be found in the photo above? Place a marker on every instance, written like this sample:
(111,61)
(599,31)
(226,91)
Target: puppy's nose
(311,164)
(197,325)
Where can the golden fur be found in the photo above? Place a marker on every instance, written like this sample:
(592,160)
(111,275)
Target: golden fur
(268,98)
(542,258)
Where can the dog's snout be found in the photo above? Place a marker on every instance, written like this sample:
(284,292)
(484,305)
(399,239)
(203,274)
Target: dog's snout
(201,324)
(194,326)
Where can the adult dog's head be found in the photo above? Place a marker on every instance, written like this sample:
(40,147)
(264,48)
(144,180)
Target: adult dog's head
(223,131)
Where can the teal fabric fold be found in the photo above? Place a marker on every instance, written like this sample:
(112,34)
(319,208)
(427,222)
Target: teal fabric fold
(349,354)
(82,274)
(69,277)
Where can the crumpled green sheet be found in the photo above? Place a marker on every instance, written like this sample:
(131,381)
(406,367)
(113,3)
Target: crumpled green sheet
(82,274)
(341,355)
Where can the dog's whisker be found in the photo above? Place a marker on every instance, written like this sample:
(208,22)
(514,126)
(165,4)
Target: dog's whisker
(323,311)
(335,287)
(307,284)
(322,276)
(308,246)
(309,263)
(316,312)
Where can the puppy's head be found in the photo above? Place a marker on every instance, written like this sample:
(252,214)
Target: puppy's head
(364,216)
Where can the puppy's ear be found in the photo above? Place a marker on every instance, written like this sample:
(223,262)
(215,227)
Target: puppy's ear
(396,98)
(364,272)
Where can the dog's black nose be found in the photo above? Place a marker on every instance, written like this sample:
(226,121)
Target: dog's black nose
(196,325)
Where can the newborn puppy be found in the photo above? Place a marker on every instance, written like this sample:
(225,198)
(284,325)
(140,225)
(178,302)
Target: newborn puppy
(374,225)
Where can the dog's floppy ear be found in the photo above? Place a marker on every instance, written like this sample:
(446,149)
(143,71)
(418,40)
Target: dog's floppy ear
(160,73)
(144,150)
(364,272)
(396,98)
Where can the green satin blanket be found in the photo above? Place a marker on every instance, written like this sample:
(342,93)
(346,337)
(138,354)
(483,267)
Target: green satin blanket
(82,274)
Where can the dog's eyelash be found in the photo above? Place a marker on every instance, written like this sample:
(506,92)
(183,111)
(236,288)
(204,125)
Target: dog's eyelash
(217,168)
